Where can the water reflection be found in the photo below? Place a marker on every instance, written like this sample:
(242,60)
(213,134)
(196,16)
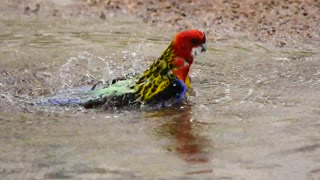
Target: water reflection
(185,138)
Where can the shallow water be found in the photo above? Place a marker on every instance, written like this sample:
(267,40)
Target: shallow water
(255,116)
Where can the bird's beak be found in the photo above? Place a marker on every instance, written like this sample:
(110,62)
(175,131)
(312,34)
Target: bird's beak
(204,47)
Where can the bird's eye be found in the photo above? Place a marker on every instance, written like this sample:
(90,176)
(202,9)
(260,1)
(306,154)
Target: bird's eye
(195,41)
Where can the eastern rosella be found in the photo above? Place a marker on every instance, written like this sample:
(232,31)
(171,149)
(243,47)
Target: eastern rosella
(166,80)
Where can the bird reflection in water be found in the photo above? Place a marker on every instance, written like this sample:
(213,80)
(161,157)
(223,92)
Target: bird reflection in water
(178,126)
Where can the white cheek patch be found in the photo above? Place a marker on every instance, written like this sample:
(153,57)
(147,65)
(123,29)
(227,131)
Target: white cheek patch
(197,50)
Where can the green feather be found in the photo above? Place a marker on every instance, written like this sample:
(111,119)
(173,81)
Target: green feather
(117,92)
(117,89)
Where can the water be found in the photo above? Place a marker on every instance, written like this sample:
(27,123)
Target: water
(255,116)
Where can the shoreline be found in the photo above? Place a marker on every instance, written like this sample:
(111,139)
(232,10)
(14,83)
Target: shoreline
(281,22)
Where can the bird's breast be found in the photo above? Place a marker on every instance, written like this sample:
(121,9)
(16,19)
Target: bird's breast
(181,68)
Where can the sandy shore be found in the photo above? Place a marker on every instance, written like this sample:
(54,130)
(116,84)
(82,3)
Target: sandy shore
(282,22)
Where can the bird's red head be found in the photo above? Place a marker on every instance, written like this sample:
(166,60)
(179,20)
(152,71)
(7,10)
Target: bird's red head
(186,45)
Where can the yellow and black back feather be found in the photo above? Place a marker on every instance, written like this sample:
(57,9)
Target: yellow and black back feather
(157,78)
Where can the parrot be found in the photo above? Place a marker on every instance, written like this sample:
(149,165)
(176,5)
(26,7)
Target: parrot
(165,82)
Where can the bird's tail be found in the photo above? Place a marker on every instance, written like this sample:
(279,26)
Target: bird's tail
(115,93)
(71,97)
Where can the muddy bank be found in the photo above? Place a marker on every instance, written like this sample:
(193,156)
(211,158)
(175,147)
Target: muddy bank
(282,22)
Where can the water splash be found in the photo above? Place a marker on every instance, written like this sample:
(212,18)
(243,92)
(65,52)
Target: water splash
(85,68)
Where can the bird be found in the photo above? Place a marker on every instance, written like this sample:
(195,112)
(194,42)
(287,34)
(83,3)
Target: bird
(166,82)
